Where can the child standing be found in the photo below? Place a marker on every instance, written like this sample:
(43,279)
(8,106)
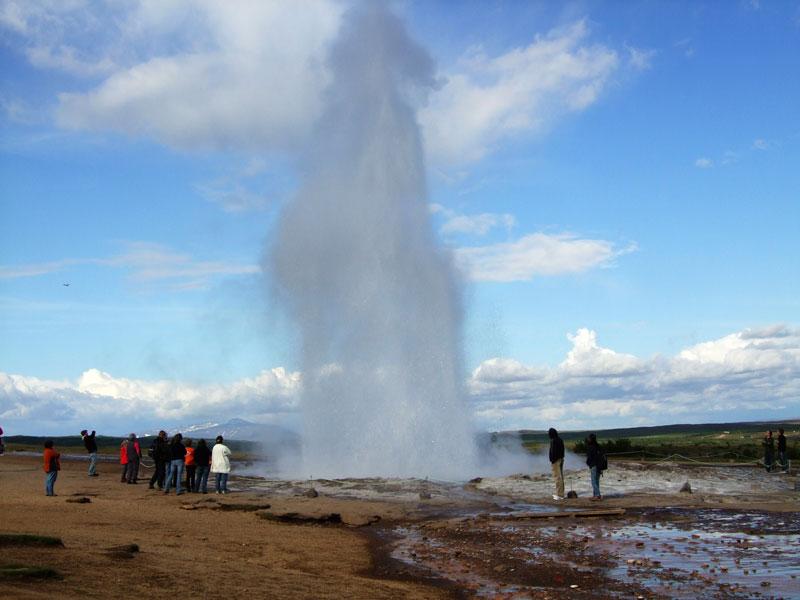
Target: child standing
(123,460)
(191,466)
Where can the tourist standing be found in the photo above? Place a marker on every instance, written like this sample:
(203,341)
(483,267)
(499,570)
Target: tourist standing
(191,466)
(594,460)
(782,451)
(202,458)
(557,462)
(221,465)
(134,457)
(2,446)
(769,451)
(160,448)
(91,448)
(123,459)
(177,456)
(51,467)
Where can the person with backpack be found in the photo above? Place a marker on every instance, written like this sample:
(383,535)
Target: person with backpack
(134,458)
(597,463)
(782,451)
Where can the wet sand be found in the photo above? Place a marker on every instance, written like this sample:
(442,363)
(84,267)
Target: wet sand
(405,539)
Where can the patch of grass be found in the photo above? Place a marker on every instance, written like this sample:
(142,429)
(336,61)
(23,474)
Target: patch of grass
(24,539)
(17,571)
(242,507)
(298,519)
(125,548)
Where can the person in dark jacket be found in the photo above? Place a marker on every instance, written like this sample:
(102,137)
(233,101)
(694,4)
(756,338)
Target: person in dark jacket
(134,456)
(177,458)
(557,462)
(160,458)
(202,457)
(593,458)
(782,451)
(91,448)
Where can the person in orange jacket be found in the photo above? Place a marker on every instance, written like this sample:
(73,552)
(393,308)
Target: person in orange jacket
(51,467)
(191,465)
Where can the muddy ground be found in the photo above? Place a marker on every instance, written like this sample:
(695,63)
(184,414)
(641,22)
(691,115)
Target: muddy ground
(735,537)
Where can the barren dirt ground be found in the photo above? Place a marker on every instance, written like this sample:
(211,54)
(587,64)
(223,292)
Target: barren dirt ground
(389,543)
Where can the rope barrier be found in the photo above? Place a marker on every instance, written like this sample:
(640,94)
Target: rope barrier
(663,458)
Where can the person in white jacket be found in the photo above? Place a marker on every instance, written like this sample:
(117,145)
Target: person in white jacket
(221,465)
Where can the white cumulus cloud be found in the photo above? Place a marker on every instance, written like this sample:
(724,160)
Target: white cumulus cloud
(120,404)
(727,379)
(521,91)
(536,254)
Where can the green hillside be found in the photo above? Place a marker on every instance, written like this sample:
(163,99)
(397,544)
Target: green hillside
(709,442)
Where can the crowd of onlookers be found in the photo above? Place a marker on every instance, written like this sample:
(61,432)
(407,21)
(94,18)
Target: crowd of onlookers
(171,459)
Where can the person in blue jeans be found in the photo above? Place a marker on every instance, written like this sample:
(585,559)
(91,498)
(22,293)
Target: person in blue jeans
(51,467)
(91,448)
(593,454)
(202,456)
(177,458)
(221,465)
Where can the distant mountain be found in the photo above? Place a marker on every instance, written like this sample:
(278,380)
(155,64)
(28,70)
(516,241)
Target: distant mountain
(235,429)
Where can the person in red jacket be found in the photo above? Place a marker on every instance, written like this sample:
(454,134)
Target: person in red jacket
(191,465)
(51,467)
(123,460)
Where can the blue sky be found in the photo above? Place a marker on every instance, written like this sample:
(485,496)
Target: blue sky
(618,182)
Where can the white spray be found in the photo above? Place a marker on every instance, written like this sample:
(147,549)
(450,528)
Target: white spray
(356,265)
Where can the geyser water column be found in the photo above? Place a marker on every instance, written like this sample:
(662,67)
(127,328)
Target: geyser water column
(355,263)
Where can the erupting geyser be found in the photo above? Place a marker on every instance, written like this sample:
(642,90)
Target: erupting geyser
(356,265)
